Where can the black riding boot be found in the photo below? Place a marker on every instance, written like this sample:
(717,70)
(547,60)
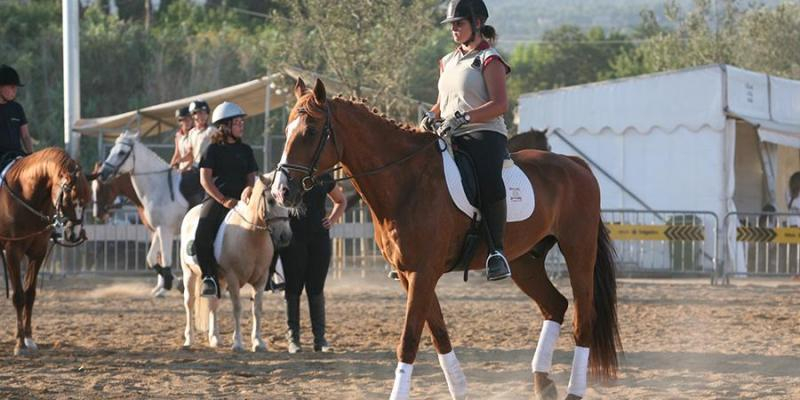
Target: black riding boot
(293,322)
(316,307)
(497,267)
(204,249)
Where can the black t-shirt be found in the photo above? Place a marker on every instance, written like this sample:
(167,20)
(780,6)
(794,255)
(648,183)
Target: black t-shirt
(12,119)
(230,164)
(314,199)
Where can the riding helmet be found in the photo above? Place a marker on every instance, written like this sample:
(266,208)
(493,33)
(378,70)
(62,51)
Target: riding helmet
(9,76)
(226,111)
(182,112)
(466,9)
(198,105)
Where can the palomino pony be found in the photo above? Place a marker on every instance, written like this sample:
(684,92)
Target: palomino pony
(41,192)
(246,253)
(156,187)
(103,196)
(398,171)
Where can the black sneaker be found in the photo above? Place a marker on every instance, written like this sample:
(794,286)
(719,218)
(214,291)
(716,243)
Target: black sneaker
(497,267)
(210,288)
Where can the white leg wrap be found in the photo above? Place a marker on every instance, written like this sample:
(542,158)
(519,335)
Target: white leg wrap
(456,381)
(543,357)
(580,369)
(402,381)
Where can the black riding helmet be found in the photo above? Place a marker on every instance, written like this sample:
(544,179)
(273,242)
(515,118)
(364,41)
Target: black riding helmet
(198,105)
(472,10)
(9,76)
(182,113)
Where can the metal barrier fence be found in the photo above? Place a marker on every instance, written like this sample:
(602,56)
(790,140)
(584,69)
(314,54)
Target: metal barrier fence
(766,244)
(658,243)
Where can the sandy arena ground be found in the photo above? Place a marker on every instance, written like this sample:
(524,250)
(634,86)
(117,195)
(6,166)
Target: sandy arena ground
(103,337)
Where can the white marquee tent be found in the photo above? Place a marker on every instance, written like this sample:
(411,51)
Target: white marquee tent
(713,138)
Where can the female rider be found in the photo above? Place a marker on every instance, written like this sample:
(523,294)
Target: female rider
(227,173)
(471,103)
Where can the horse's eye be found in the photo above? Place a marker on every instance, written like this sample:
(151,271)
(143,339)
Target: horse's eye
(271,202)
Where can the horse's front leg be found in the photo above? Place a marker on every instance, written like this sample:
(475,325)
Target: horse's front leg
(454,375)
(233,288)
(258,344)
(13,259)
(189,294)
(153,258)
(420,294)
(35,260)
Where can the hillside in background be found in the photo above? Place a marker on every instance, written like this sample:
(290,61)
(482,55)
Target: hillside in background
(526,20)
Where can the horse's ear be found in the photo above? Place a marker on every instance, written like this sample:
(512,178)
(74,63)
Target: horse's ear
(266,179)
(299,88)
(319,92)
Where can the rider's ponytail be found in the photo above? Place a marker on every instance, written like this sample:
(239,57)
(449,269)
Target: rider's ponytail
(489,33)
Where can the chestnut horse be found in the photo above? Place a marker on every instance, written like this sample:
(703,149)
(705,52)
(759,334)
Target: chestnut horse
(41,192)
(398,171)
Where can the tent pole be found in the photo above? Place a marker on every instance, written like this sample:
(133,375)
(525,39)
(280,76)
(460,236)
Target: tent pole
(100,155)
(267,145)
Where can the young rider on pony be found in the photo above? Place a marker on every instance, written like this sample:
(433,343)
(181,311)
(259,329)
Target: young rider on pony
(471,103)
(227,173)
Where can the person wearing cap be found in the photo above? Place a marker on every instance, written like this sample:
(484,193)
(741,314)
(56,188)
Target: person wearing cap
(200,135)
(182,157)
(227,173)
(470,107)
(15,140)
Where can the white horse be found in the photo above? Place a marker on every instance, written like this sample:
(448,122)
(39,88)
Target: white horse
(157,186)
(244,253)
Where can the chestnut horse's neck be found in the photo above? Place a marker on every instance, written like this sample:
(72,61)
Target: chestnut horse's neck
(122,185)
(43,169)
(368,142)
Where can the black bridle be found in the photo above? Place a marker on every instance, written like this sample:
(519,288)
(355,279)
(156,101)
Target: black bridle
(130,144)
(310,180)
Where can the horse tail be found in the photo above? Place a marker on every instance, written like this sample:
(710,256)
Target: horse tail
(605,338)
(202,307)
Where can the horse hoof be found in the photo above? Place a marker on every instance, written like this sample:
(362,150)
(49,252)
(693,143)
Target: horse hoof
(31,345)
(160,293)
(237,348)
(543,387)
(572,397)
(259,348)
(213,342)
(21,351)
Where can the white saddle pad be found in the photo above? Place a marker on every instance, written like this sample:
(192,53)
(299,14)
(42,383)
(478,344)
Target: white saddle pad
(519,191)
(6,169)
(220,234)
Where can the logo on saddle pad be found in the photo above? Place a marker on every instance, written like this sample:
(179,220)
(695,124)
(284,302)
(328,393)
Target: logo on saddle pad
(519,191)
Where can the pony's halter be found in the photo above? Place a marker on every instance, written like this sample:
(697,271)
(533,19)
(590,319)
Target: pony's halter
(309,181)
(267,221)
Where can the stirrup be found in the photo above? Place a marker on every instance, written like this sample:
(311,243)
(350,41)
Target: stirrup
(499,269)
(210,288)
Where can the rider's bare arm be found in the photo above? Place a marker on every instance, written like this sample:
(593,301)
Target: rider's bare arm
(25,136)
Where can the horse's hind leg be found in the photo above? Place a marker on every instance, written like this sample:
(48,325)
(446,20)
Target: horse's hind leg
(454,375)
(530,276)
(13,259)
(189,294)
(580,256)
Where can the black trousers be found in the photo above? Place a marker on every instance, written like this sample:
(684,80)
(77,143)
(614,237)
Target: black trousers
(211,216)
(305,264)
(487,150)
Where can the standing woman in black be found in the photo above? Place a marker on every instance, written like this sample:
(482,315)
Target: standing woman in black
(227,173)
(306,260)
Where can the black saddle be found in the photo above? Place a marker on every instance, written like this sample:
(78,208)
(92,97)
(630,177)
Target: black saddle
(190,187)
(469,178)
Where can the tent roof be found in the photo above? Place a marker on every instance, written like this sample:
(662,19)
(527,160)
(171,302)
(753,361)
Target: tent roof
(694,99)
(251,96)
(160,118)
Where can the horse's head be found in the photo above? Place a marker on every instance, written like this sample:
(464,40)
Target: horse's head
(121,158)
(310,145)
(275,217)
(70,196)
(103,195)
